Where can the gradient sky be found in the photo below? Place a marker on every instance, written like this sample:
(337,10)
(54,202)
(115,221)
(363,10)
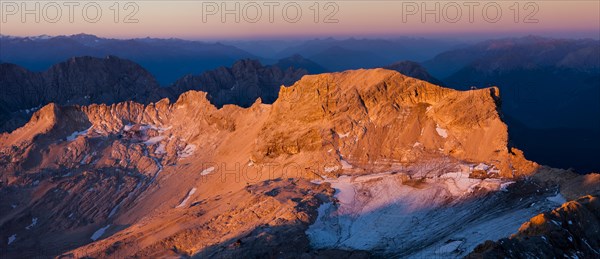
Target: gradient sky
(184,19)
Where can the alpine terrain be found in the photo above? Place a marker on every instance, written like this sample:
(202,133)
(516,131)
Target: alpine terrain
(360,163)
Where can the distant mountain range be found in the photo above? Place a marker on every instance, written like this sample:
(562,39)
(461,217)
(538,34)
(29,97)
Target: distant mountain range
(550,87)
(167,59)
(405,48)
(170,59)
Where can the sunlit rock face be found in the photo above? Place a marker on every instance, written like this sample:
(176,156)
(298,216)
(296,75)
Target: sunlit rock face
(370,161)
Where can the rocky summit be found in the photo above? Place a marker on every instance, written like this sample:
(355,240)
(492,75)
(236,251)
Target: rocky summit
(361,163)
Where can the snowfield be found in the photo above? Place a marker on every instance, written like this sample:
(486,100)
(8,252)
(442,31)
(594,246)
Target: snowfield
(12,239)
(440,214)
(99,233)
(184,202)
(76,134)
(207,171)
(440,131)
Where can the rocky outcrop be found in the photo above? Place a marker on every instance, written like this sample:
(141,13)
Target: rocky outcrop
(573,230)
(364,116)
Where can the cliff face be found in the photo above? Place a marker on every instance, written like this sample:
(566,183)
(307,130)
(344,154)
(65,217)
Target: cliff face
(378,119)
(186,178)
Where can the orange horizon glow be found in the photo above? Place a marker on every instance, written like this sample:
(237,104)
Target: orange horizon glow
(201,20)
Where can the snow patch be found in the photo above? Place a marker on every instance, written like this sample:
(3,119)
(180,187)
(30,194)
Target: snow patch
(344,135)
(329,169)
(114,210)
(184,202)
(76,134)
(504,186)
(160,149)
(187,151)
(99,233)
(154,140)
(127,127)
(345,164)
(440,131)
(207,171)
(12,239)
(389,211)
(482,167)
(558,198)
(33,223)
(449,247)
(82,162)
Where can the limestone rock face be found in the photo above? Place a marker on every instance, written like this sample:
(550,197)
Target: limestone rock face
(369,116)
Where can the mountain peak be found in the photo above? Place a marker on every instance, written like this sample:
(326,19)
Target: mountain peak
(367,102)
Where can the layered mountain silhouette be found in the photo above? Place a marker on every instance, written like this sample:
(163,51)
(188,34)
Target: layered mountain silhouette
(170,59)
(364,53)
(299,62)
(166,59)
